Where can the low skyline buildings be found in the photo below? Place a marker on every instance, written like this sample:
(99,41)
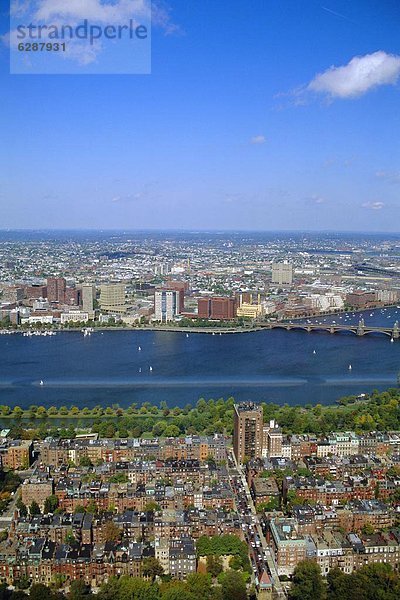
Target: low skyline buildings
(217,278)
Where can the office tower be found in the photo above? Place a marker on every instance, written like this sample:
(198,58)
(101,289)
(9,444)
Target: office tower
(222,309)
(112,297)
(56,287)
(282,273)
(87,299)
(181,287)
(166,305)
(203,308)
(13,294)
(72,296)
(36,291)
(247,431)
(162,268)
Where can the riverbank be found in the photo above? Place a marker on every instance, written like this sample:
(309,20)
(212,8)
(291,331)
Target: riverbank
(167,328)
(222,328)
(378,411)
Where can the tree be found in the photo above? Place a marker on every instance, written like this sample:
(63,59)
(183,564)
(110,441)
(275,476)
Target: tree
(112,532)
(23,511)
(339,585)
(92,507)
(70,538)
(50,504)
(177,591)
(214,565)
(308,583)
(78,590)
(34,508)
(233,586)
(85,462)
(171,431)
(22,583)
(367,529)
(39,591)
(151,567)
(152,507)
(199,585)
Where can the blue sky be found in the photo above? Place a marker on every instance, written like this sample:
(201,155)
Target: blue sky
(241,125)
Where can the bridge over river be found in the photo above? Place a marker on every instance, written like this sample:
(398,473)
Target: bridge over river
(360,329)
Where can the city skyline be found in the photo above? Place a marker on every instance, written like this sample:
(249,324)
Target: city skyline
(255,118)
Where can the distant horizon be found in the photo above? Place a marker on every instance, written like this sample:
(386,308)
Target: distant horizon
(191,230)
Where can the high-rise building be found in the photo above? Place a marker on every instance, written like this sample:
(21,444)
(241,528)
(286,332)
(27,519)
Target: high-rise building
(56,287)
(204,308)
(112,297)
(13,294)
(72,296)
(166,305)
(247,431)
(181,287)
(88,292)
(222,309)
(36,291)
(282,273)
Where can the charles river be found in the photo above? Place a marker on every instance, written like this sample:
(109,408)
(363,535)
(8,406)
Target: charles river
(138,366)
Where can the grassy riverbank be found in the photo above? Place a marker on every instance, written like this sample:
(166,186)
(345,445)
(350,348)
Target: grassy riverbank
(378,411)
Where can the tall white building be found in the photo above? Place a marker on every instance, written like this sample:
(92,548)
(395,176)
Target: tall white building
(282,273)
(166,305)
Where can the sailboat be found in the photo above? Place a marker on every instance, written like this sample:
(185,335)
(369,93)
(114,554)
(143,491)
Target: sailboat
(139,348)
(314,352)
(150,368)
(140,369)
(350,367)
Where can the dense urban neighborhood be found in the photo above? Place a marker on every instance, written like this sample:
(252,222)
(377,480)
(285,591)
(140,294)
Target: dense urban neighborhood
(191,280)
(248,511)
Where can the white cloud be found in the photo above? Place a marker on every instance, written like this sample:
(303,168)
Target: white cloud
(390,176)
(373,205)
(258,139)
(93,10)
(101,11)
(360,75)
(74,12)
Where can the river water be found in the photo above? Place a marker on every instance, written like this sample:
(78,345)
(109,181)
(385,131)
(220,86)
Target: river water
(277,366)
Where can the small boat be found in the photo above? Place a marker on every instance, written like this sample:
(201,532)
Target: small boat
(150,368)
(140,369)
(314,352)
(139,348)
(41,382)
(350,367)
(391,339)
(187,335)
